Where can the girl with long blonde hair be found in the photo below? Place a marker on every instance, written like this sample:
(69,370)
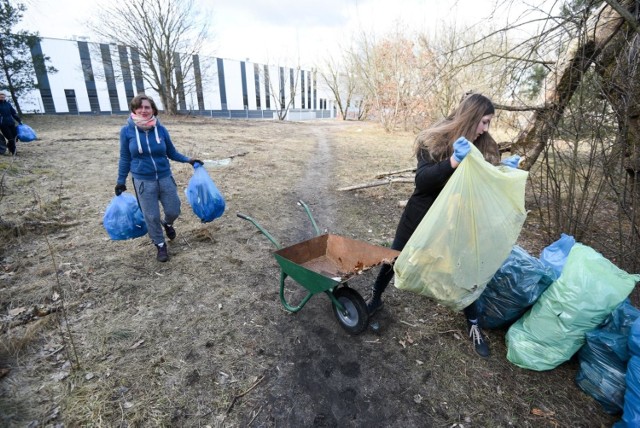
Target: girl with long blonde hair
(439,150)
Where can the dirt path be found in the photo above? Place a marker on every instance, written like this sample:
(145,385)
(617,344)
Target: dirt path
(314,186)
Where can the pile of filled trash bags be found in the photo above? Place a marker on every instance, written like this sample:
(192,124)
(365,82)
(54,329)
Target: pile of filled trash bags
(571,300)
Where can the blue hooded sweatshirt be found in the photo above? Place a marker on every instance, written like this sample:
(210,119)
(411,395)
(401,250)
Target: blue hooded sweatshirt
(8,114)
(146,153)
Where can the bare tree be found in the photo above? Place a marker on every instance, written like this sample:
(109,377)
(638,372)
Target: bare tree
(282,100)
(582,135)
(167,35)
(339,83)
(341,76)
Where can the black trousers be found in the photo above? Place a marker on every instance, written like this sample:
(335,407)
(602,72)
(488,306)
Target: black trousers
(9,135)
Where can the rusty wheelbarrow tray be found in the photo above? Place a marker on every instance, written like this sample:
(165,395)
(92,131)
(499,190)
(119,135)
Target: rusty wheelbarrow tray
(324,264)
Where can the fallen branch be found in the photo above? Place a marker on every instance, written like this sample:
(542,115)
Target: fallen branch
(236,155)
(378,183)
(242,394)
(408,323)
(399,171)
(255,416)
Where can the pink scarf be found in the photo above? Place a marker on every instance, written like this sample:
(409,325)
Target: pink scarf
(142,123)
(145,125)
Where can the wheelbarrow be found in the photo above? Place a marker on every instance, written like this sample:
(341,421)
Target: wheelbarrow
(324,264)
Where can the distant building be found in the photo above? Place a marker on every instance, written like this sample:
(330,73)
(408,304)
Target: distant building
(99,78)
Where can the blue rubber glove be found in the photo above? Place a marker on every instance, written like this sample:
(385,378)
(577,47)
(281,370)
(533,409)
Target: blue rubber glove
(461,148)
(511,161)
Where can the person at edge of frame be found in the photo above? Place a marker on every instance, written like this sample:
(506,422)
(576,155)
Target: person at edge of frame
(8,117)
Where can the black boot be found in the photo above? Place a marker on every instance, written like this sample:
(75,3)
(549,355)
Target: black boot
(384,277)
(169,230)
(163,253)
(375,303)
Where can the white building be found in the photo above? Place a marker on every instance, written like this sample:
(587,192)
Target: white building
(98,78)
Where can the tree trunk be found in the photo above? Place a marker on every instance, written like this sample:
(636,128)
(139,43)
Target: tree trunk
(603,24)
(619,68)
(620,71)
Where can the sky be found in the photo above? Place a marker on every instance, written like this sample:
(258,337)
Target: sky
(276,31)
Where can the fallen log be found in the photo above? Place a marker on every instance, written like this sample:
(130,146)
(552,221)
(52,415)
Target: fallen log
(378,183)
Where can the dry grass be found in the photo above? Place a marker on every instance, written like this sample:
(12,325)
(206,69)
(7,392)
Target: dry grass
(203,339)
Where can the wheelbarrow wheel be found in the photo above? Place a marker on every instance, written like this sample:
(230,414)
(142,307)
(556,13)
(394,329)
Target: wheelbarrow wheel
(355,317)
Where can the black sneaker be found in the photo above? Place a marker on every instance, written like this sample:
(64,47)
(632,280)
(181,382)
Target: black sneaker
(163,253)
(375,304)
(169,230)
(479,342)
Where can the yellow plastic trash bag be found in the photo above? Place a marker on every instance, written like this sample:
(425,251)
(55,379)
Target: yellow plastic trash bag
(466,235)
(554,329)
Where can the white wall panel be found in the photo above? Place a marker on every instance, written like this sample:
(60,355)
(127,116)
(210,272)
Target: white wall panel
(210,87)
(233,84)
(97,65)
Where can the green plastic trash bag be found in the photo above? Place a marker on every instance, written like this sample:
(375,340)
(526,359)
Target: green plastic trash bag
(466,235)
(554,329)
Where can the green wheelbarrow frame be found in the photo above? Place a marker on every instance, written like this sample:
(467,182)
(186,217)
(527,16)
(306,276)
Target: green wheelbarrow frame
(323,264)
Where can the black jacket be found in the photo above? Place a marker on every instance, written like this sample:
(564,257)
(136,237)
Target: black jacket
(431,176)
(8,113)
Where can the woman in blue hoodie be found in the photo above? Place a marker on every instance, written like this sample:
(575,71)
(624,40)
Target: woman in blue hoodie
(145,150)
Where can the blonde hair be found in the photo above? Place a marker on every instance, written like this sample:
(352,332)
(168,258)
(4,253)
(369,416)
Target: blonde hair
(438,139)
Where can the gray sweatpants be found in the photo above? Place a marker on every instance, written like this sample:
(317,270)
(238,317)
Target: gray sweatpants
(150,192)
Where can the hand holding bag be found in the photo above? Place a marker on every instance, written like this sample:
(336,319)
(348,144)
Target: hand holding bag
(123,218)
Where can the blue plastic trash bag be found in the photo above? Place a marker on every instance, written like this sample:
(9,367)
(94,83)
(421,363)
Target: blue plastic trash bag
(123,218)
(634,338)
(604,356)
(622,318)
(203,195)
(25,133)
(554,329)
(555,255)
(631,412)
(513,289)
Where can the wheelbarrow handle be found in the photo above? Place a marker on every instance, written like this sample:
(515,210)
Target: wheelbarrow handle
(261,229)
(313,222)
